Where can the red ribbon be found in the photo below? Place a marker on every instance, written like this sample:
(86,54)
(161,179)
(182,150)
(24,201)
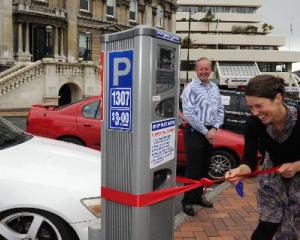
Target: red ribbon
(151,198)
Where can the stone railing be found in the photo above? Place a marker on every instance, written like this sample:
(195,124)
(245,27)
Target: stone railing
(67,69)
(44,79)
(27,6)
(11,70)
(20,77)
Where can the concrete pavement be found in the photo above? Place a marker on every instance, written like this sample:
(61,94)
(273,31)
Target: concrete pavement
(232,218)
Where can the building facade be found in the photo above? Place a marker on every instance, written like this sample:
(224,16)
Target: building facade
(231,33)
(62,37)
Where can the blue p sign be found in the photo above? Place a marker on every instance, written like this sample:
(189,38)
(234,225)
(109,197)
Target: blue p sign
(120,90)
(120,69)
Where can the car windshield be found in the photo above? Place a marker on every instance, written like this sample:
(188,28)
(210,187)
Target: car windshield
(10,135)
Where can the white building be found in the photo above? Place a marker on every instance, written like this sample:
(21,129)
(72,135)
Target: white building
(231,33)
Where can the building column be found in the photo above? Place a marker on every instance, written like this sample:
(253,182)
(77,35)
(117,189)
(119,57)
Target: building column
(148,13)
(173,18)
(104,6)
(21,55)
(72,30)
(27,39)
(166,17)
(20,39)
(62,44)
(56,42)
(6,34)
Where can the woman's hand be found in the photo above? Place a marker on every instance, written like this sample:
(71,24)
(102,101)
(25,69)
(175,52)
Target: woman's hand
(287,170)
(232,175)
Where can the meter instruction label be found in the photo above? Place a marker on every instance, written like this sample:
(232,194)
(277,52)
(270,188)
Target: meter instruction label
(162,142)
(120,90)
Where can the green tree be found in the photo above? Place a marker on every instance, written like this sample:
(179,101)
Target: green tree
(267,27)
(186,43)
(209,17)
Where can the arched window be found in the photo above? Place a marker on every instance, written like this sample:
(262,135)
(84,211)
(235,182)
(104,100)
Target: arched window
(159,16)
(110,8)
(133,11)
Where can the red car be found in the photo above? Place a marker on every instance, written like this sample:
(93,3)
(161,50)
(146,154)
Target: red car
(77,123)
(80,123)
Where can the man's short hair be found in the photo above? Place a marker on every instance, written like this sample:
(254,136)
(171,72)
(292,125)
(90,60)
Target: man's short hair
(202,59)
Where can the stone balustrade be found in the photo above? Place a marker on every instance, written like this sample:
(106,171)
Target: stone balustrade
(40,83)
(20,77)
(11,70)
(27,6)
(67,69)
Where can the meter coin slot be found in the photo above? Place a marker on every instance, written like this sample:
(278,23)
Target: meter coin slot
(166,108)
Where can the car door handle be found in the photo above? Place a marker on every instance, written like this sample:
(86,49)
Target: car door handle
(87,125)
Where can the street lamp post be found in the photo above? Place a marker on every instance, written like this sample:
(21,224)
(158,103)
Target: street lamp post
(188,48)
(48,40)
(87,50)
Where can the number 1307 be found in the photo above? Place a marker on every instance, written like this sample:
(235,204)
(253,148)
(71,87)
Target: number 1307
(120,98)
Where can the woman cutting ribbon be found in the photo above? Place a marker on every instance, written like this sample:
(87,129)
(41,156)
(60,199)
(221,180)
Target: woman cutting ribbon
(274,127)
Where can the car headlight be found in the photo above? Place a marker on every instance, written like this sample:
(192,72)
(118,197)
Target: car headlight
(93,205)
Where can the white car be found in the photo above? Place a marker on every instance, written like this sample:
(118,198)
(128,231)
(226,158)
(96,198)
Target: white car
(48,189)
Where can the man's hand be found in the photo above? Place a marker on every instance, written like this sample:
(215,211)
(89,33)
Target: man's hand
(210,135)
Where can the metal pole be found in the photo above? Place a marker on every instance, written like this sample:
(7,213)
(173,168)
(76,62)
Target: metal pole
(87,55)
(188,49)
(217,29)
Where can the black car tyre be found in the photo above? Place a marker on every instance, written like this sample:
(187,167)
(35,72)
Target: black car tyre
(219,163)
(72,140)
(33,224)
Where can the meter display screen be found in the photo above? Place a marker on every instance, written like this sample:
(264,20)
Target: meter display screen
(165,75)
(165,59)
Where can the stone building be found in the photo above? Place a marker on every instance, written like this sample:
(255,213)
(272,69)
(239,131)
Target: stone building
(49,49)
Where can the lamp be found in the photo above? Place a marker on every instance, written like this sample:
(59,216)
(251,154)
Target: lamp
(48,41)
(87,50)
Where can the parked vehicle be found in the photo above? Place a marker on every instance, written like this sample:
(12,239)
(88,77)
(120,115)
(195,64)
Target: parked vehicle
(73,123)
(49,189)
(227,153)
(237,110)
(78,123)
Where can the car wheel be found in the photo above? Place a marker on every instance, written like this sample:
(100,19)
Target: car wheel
(33,224)
(220,162)
(72,140)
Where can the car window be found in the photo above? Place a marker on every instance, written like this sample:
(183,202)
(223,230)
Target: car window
(243,104)
(230,102)
(98,114)
(91,110)
(10,135)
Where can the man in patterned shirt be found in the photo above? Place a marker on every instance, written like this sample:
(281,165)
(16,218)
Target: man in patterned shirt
(204,112)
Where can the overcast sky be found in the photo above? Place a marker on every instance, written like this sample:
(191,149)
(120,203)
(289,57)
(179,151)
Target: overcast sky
(281,14)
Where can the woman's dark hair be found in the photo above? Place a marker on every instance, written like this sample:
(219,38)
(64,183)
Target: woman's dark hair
(266,86)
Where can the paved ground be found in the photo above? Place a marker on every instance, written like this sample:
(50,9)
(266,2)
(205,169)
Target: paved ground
(232,218)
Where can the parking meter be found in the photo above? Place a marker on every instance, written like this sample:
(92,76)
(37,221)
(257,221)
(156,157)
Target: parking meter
(138,141)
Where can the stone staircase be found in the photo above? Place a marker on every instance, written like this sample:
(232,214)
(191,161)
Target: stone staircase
(17,76)
(39,83)
(12,69)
